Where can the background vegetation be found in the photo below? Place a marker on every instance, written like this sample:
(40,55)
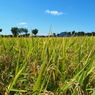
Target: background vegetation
(23,32)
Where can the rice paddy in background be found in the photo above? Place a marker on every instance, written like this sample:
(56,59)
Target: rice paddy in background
(47,66)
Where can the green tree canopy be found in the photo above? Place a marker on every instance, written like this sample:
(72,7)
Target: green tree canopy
(73,32)
(15,31)
(35,31)
(0,30)
(54,34)
(23,30)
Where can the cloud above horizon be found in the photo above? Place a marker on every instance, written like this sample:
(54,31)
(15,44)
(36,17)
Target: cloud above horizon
(54,12)
(22,23)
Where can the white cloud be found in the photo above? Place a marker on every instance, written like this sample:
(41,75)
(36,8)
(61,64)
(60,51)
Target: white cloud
(22,23)
(54,12)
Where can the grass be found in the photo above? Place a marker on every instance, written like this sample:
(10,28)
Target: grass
(47,66)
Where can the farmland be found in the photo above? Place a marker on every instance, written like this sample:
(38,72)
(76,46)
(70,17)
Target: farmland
(47,66)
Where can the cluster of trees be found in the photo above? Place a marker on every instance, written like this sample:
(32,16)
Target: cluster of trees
(16,31)
(19,31)
(80,33)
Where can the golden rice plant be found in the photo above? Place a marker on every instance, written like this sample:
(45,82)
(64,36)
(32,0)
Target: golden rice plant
(47,66)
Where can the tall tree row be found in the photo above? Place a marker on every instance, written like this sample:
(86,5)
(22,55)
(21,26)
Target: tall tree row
(16,31)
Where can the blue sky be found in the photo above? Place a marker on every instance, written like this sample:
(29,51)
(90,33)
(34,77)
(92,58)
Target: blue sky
(63,15)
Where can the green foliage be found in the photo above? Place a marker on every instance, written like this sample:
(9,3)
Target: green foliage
(52,66)
(23,30)
(35,31)
(0,30)
(16,31)
(73,32)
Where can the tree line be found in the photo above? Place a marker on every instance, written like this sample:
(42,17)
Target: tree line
(18,31)
(80,33)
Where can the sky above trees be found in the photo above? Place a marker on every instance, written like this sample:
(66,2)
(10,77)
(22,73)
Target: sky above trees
(63,15)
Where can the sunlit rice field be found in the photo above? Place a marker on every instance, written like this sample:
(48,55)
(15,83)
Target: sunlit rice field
(47,66)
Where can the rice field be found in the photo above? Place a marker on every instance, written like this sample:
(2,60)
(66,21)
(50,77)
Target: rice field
(47,66)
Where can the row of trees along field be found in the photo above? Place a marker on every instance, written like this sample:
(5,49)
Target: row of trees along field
(18,31)
(80,33)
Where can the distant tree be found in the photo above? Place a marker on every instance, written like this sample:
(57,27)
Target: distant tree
(25,31)
(54,34)
(93,33)
(15,31)
(58,34)
(0,30)
(81,33)
(20,30)
(73,32)
(35,31)
(69,33)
